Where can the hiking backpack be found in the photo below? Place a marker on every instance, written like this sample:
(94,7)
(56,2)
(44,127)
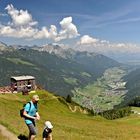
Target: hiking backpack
(22,110)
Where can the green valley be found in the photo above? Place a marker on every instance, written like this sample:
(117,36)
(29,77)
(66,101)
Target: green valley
(105,93)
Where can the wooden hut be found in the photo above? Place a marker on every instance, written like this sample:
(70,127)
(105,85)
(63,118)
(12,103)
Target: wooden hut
(23,83)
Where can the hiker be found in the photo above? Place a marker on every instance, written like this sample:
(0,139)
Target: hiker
(47,132)
(31,115)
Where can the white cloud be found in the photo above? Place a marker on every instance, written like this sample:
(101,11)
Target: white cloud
(87,40)
(43,33)
(104,41)
(90,44)
(27,32)
(53,32)
(3,14)
(22,26)
(8,31)
(69,30)
(121,45)
(20,17)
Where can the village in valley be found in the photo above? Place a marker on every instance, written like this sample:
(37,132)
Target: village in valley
(105,93)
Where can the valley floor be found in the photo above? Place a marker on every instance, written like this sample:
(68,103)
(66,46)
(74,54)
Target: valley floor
(107,92)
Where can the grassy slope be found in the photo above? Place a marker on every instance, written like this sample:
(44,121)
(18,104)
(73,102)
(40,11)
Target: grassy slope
(67,125)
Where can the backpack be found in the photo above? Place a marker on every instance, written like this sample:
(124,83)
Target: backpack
(22,110)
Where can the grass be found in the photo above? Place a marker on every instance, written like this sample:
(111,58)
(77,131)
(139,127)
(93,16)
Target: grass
(19,61)
(67,125)
(85,74)
(72,81)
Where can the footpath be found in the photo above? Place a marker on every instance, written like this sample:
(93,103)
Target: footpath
(6,133)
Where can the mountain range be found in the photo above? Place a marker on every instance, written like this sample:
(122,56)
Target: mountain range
(62,70)
(56,69)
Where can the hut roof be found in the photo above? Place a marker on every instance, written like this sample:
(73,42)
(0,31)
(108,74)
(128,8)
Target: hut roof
(19,78)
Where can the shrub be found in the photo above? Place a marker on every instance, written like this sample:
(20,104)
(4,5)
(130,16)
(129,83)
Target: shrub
(116,113)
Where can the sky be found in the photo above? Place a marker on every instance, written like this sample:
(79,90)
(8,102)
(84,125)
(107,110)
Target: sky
(101,25)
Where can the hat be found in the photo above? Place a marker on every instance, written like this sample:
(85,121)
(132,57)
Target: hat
(48,124)
(35,97)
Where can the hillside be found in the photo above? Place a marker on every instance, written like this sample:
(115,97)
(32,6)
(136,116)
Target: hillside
(133,85)
(67,125)
(57,74)
(94,62)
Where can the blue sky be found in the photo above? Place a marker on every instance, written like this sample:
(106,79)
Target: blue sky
(81,22)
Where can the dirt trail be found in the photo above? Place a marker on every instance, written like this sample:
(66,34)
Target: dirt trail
(6,133)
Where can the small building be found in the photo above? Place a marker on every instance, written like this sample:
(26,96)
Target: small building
(23,83)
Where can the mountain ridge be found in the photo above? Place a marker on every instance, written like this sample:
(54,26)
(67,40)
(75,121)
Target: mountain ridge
(56,73)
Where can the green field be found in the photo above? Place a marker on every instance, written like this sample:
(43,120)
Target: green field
(67,125)
(105,93)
